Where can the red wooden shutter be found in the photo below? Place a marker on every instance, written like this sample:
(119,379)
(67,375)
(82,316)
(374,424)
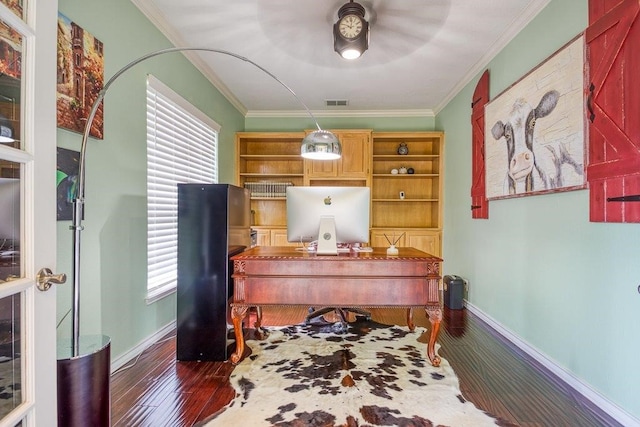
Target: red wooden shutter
(613,104)
(479,203)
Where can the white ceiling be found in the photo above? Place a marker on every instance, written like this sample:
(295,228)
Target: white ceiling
(421,52)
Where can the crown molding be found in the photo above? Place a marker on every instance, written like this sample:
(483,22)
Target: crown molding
(532,10)
(338,113)
(156,17)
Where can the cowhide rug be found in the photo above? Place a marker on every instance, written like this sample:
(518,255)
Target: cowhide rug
(372,375)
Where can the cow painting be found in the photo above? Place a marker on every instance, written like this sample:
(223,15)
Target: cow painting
(531,166)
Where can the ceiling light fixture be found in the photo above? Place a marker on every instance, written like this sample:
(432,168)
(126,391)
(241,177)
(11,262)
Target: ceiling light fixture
(351,31)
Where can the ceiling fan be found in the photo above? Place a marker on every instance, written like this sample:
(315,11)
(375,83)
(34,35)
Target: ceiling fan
(351,31)
(306,29)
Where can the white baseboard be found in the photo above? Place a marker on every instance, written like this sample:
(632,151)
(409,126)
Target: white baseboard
(610,408)
(134,352)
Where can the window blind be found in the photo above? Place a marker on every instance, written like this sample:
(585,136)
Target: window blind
(181,148)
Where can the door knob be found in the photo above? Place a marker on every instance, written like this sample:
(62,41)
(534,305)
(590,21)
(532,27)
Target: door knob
(46,278)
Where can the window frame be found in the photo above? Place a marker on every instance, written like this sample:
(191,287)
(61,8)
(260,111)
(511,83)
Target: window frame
(180,129)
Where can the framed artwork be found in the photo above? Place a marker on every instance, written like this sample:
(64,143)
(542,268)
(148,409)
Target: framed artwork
(535,130)
(80,70)
(66,182)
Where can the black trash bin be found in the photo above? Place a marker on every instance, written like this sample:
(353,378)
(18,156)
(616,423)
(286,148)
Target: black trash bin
(453,292)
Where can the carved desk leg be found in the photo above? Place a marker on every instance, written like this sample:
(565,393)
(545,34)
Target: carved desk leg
(261,333)
(237,316)
(435,317)
(410,324)
(258,323)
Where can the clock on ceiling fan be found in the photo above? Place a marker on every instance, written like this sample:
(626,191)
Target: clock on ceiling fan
(351,31)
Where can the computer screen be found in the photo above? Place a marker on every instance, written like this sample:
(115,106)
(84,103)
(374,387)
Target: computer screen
(330,215)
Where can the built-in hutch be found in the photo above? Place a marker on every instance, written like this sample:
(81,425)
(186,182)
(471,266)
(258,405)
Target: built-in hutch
(405,206)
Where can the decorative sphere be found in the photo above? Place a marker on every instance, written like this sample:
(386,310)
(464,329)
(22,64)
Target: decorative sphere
(410,171)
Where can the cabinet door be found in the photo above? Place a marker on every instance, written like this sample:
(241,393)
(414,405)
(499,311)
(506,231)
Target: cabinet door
(426,241)
(378,240)
(279,238)
(383,238)
(356,155)
(354,163)
(322,168)
(264,237)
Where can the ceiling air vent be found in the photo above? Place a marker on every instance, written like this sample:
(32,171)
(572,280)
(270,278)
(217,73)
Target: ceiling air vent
(336,102)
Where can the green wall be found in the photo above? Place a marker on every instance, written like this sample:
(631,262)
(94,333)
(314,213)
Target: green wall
(537,266)
(113,263)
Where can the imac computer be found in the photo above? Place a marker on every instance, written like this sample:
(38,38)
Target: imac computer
(330,215)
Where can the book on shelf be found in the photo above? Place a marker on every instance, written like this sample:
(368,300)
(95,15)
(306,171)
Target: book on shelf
(267,188)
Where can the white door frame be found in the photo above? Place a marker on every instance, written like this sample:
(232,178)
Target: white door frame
(38,218)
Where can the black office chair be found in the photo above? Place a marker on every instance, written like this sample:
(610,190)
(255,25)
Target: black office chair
(340,326)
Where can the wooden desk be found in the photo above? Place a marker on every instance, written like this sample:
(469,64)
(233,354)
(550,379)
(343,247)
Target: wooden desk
(268,275)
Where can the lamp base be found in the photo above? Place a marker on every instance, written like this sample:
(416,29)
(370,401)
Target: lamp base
(84,395)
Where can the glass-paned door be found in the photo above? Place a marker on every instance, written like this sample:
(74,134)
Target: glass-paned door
(27,211)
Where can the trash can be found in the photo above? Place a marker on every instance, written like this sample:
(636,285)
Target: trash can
(453,292)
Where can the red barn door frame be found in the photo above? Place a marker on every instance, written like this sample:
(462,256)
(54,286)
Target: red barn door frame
(479,202)
(613,110)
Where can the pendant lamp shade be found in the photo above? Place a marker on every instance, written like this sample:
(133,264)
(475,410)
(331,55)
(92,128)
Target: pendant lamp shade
(321,145)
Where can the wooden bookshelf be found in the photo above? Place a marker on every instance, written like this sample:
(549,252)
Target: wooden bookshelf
(368,159)
(269,160)
(416,219)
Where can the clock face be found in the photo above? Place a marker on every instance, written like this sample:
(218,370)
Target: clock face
(350,26)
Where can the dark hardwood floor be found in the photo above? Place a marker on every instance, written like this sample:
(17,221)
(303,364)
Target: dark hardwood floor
(156,390)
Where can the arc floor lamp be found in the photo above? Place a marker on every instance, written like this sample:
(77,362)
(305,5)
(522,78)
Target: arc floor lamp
(319,144)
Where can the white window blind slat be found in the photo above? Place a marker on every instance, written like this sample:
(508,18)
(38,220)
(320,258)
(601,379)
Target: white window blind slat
(181,148)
